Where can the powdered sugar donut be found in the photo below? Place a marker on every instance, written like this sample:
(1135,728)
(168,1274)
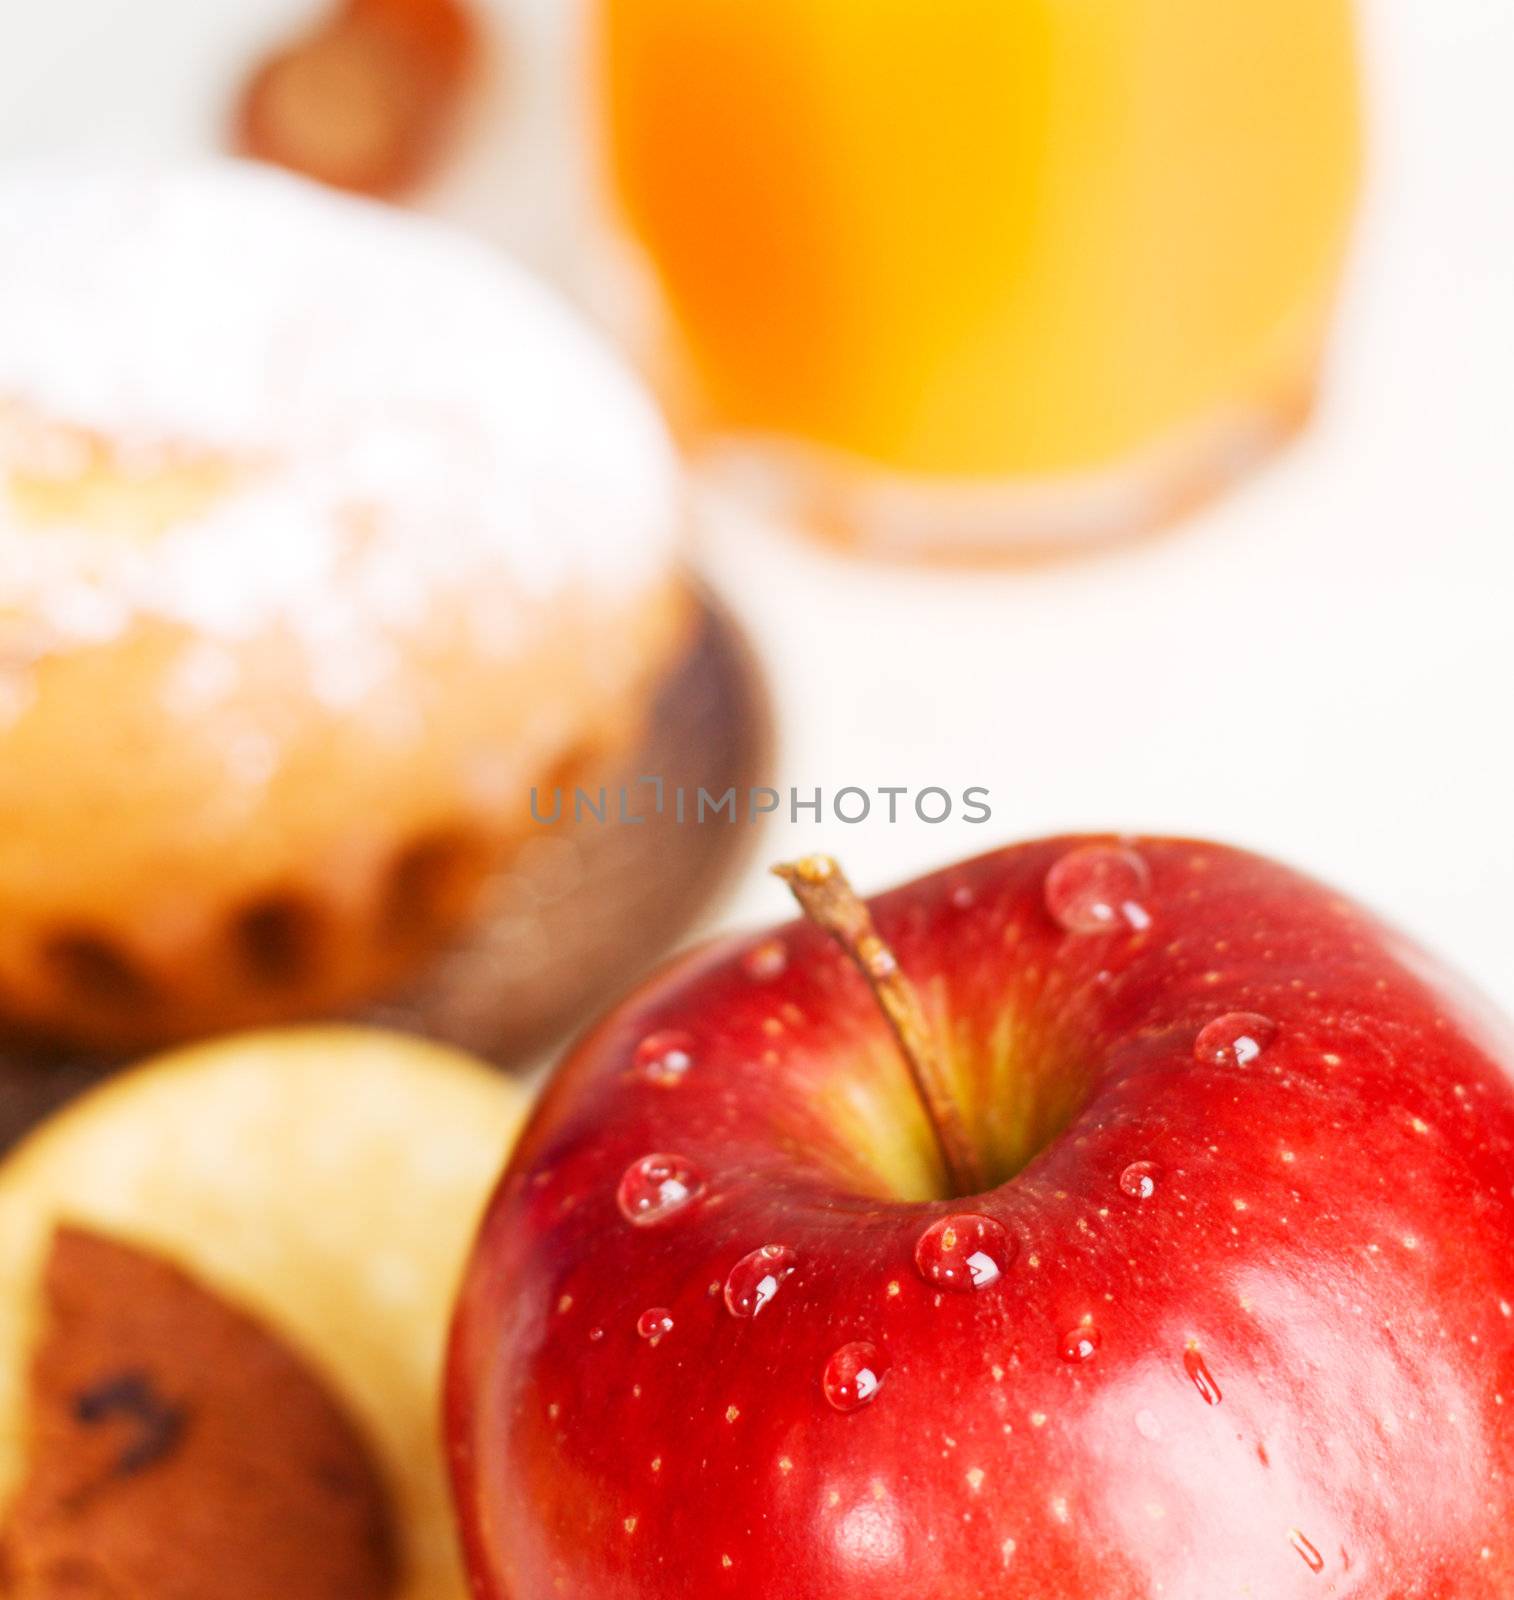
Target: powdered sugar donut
(324,535)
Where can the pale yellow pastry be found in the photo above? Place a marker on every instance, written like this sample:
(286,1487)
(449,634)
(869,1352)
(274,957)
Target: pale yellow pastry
(326,1180)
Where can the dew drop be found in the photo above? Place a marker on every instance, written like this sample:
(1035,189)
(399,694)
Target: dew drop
(1099,888)
(1234,1040)
(655,1325)
(766,961)
(665,1058)
(1139,1179)
(964,1252)
(1311,1556)
(1080,1344)
(1200,1376)
(854,1375)
(757,1277)
(657,1186)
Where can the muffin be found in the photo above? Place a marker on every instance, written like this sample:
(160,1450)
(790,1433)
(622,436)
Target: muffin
(325,536)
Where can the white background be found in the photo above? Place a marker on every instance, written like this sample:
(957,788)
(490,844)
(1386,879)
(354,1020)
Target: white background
(1322,667)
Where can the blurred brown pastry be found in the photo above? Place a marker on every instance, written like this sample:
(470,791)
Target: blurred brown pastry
(181,1449)
(367,100)
(324,536)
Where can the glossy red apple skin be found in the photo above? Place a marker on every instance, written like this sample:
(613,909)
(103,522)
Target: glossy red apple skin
(1303,1380)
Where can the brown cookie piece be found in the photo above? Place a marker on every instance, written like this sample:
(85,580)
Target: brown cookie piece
(181,1451)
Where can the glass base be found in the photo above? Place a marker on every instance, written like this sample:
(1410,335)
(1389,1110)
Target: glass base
(898,516)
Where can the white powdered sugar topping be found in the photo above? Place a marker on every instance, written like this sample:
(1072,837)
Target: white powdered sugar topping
(383,410)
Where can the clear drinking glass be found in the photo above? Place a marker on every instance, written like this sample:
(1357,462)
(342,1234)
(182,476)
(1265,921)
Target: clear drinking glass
(982,276)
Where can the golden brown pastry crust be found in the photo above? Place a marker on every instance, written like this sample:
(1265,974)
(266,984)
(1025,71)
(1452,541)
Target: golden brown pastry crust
(324,536)
(168,869)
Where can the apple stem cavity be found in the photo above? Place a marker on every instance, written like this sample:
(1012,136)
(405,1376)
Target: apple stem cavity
(830,902)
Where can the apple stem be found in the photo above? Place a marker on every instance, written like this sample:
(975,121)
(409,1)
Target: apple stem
(830,902)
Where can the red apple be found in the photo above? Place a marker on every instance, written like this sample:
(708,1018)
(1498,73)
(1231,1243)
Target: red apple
(1229,1313)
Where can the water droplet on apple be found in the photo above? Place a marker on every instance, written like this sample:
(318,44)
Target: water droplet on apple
(1200,1376)
(1311,1556)
(655,1325)
(766,961)
(1080,1344)
(757,1277)
(665,1058)
(1148,1425)
(1234,1040)
(964,1252)
(1099,888)
(657,1186)
(854,1375)
(1139,1179)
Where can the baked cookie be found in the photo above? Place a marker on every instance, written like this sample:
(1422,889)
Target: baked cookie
(226,1279)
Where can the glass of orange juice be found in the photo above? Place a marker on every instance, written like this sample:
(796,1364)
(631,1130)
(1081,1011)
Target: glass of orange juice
(983,276)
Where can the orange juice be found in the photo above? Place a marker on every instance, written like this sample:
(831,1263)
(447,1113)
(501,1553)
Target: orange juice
(1028,245)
